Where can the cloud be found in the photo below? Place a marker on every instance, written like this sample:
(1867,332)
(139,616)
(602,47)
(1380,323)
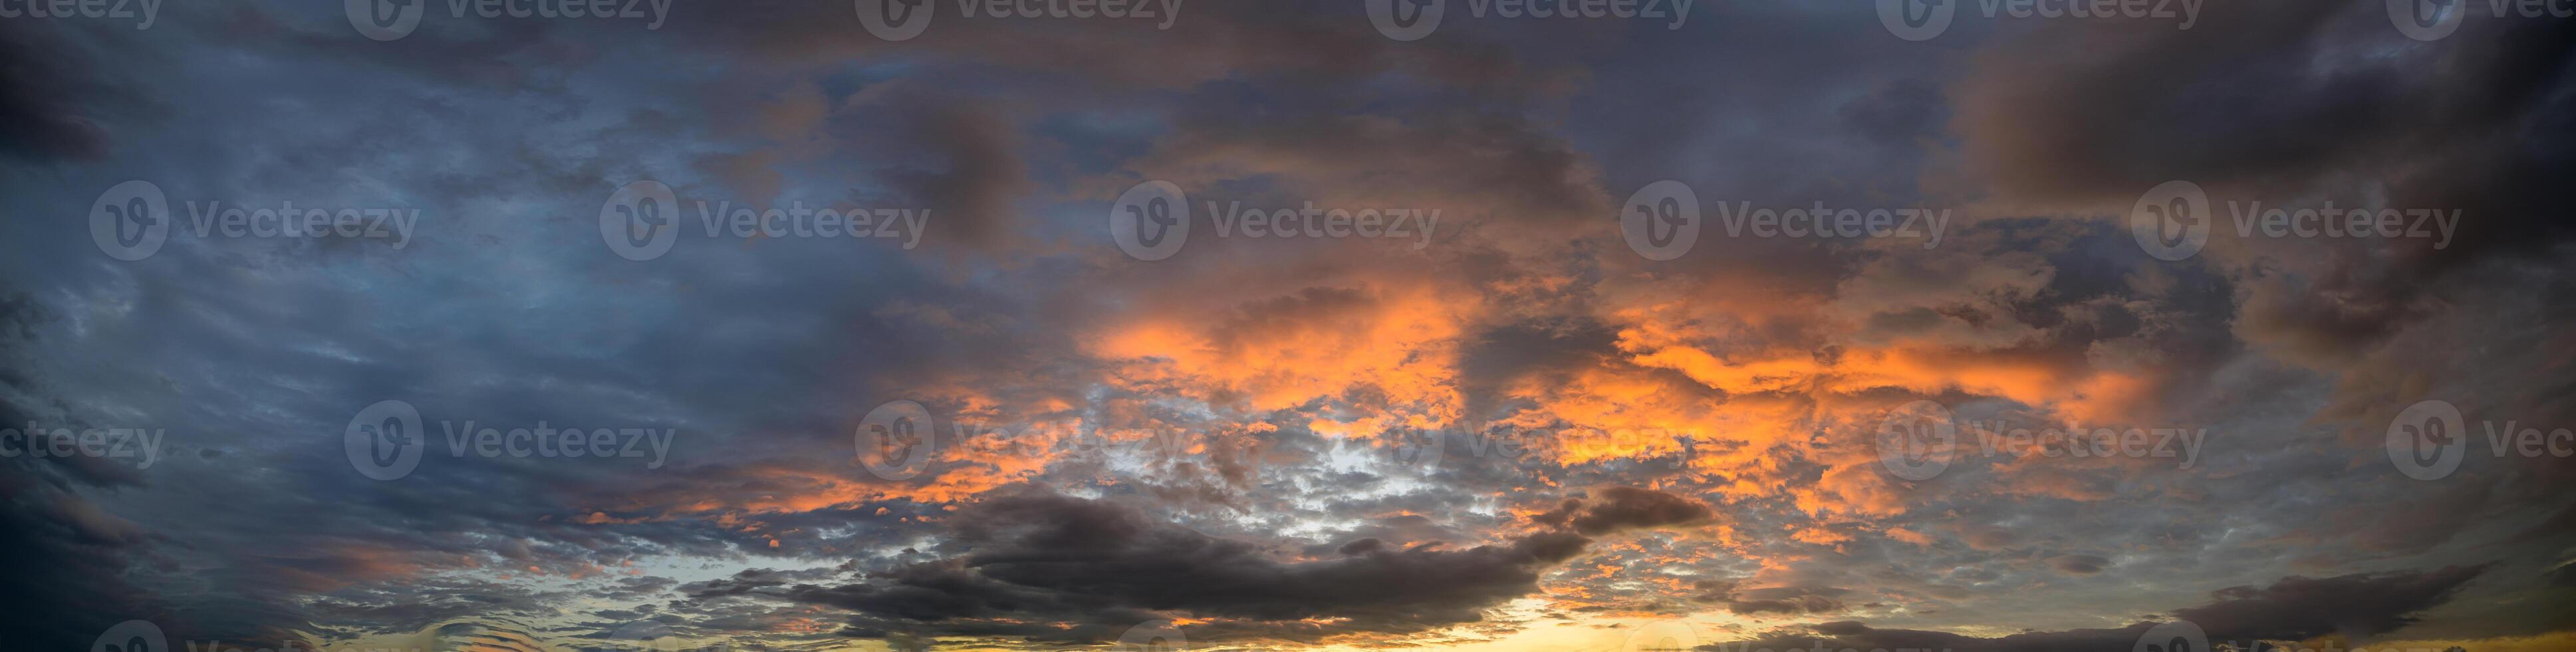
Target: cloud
(1615,509)
(1094,564)
(46,97)
(1742,383)
(2078,564)
(2292,609)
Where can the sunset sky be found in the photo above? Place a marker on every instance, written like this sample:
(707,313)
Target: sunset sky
(1287,325)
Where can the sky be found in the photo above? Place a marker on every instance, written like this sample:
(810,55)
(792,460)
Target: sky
(521,325)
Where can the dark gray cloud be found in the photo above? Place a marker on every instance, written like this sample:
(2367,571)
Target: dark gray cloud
(1106,566)
(44,96)
(2291,610)
(1622,508)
